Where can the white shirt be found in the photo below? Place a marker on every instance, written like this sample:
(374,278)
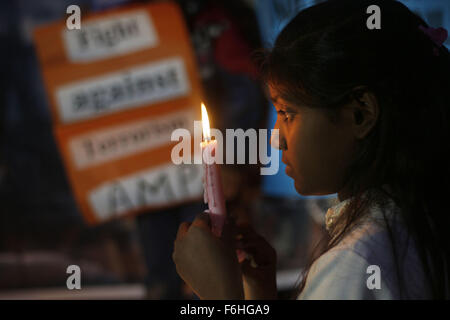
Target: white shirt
(342,272)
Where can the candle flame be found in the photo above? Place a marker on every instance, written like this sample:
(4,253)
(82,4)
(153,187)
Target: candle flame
(205,124)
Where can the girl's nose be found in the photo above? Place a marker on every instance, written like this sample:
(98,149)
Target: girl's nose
(276,140)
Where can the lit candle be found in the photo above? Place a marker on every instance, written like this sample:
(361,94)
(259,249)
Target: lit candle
(212,183)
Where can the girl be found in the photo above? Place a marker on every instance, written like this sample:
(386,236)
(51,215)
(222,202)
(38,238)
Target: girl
(365,114)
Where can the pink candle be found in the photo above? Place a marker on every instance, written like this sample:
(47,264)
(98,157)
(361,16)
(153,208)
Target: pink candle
(212,183)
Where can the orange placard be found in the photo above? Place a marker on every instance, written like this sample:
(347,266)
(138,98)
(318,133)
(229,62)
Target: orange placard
(117,89)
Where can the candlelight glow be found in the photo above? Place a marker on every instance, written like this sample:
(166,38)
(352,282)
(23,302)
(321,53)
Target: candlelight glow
(205,124)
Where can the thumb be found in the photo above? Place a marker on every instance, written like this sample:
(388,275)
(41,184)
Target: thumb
(202,220)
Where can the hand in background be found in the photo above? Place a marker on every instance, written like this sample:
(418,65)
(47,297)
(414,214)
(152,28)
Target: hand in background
(259,269)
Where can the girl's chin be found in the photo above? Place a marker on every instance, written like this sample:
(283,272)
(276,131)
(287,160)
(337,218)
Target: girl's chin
(298,188)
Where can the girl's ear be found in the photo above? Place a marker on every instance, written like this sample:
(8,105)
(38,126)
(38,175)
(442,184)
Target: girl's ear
(365,111)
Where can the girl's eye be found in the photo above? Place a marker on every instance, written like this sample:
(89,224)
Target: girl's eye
(289,116)
(286,115)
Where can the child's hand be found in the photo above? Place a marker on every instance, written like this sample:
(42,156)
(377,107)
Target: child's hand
(206,263)
(259,269)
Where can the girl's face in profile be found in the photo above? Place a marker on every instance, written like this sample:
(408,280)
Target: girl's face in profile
(315,150)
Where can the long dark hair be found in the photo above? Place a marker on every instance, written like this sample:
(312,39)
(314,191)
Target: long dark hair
(318,60)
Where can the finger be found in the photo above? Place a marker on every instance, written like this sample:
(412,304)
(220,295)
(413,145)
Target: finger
(202,220)
(241,255)
(244,245)
(260,241)
(243,235)
(242,240)
(250,268)
(247,232)
(262,255)
(183,229)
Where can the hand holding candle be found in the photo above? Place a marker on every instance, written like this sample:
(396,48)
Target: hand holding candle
(212,184)
(213,193)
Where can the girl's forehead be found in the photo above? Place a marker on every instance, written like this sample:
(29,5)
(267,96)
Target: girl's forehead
(271,90)
(273,94)
(276,97)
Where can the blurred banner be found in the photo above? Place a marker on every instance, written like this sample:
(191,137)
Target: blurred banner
(118,87)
